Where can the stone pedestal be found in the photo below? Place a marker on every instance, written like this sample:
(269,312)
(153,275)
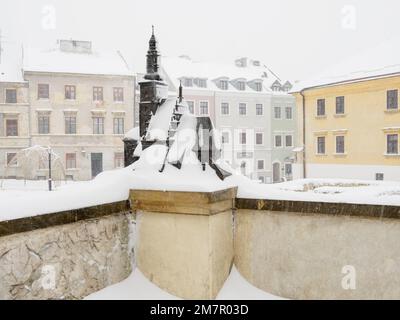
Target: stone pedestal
(185,240)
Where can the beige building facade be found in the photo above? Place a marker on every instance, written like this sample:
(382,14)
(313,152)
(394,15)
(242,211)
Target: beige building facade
(77,101)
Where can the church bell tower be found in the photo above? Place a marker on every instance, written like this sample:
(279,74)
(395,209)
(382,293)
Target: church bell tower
(153,90)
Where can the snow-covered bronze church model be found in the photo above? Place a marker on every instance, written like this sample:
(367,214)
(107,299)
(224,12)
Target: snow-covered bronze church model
(165,121)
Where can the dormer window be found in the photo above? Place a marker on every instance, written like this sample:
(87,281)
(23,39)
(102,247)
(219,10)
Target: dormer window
(201,83)
(187,82)
(223,84)
(258,86)
(241,85)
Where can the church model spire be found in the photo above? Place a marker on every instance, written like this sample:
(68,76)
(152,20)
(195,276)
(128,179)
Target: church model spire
(153,90)
(153,59)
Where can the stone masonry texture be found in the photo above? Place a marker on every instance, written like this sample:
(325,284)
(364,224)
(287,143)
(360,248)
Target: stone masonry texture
(65,262)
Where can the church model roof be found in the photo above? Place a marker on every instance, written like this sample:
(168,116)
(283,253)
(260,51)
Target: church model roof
(168,134)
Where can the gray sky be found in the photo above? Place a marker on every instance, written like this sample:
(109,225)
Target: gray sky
(296,38)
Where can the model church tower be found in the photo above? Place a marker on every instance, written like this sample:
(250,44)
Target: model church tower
(153,90)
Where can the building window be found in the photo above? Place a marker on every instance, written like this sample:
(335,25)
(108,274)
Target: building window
(203,107)
(223,84)
(11,95)
(259,138)
(190,106)
(260,164)
(320,107)
(225,137)
(43,124)
(379,176)
(243,138)
(70,125)
(70,92)
(188,82)
(278,141)
(242,109)
(10,159)
(118,94)
(392,101)
(392,144)
(70,160)
(119,126)
(261,179)
(43,91)
(339,105)
(321,145)
(259,109)
(11,127)
(98,125)
(241,85)
(289,141)
(225,108)
(288,169)
(201,83)
(97,93)
(258,86)
(119,160)
(277,113)
(339,144)
(289,113)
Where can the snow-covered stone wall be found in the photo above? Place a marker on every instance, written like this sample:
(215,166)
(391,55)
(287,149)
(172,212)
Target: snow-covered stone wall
(66,261)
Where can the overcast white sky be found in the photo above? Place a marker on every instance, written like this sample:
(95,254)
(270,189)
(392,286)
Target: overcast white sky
(296,38)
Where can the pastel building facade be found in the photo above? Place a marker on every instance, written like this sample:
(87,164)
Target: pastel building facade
(79,103)
(351,128)
(14,106)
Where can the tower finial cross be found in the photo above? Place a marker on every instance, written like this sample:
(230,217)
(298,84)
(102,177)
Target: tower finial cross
(152,29)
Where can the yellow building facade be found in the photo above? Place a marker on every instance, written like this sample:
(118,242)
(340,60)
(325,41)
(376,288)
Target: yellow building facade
(350,130)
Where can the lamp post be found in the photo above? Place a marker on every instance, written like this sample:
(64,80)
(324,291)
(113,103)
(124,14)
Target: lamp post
(49,158)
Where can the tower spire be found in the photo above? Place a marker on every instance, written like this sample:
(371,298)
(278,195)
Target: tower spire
(180,91)
(153,59)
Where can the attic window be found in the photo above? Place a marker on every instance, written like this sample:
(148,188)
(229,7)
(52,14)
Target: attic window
(202,83)
(241,85)
(258,86)
(187,82)
(276,87)
(223,84)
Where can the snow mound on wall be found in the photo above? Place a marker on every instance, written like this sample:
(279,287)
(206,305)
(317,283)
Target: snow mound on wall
(112,186)
(138,287)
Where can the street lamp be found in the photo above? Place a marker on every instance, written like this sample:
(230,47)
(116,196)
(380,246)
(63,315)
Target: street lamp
(49,158)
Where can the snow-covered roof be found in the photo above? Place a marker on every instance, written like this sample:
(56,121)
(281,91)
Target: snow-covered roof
(376,62)
(11,62)
(176,68)
(58,61)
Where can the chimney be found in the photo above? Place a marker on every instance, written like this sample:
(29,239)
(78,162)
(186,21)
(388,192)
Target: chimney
(241,62)
(75,46)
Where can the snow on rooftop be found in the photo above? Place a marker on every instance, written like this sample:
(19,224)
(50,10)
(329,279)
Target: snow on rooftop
(180,67)
(160,122)
(11,62)
(376,62)
(94,62)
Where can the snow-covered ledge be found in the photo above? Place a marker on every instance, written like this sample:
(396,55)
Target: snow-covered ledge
(185,240)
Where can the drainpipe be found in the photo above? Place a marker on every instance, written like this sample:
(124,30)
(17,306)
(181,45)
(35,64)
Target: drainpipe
(304,134)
